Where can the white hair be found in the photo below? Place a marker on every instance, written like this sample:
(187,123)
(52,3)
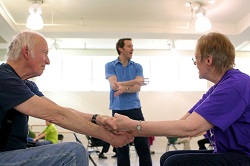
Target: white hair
(23,39)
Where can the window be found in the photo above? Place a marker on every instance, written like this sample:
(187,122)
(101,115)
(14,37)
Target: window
(87,73)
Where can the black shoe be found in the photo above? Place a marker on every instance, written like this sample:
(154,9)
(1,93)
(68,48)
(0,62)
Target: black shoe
(102,156)
(114,156)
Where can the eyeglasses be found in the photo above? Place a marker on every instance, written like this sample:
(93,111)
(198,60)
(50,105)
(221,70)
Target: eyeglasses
(194,59)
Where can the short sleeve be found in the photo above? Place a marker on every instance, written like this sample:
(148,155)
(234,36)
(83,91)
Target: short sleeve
(139,70)
(33,87)
(222,107)
(13,91)
(109,69)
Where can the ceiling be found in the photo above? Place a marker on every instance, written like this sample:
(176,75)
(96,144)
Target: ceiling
(153,24)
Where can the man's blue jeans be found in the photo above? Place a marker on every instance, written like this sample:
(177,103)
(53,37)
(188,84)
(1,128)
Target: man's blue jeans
(67,154)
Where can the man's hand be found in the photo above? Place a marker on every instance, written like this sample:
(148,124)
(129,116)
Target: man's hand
(140,81)
(120,90)
(107,122)
(121,139)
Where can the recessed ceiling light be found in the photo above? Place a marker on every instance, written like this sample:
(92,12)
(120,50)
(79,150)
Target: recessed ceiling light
(211,1)
(188,4)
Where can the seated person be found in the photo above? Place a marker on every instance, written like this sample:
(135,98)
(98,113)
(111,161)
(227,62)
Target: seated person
(31,134)
(50,135)
(27,56)
(105,146)
(184,141)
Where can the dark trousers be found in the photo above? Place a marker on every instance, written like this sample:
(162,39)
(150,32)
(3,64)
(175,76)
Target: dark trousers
(98,142)
(203,158)
(202,143)
(141,143)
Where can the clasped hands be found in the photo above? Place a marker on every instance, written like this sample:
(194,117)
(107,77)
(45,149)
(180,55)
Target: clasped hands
(119,125)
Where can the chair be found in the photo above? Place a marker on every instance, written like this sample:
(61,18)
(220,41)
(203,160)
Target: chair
(30,144)
(89,151)
(60,137)
(91,146)
(172,142)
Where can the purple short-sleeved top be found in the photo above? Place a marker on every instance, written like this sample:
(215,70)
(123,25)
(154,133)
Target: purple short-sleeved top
(227,106)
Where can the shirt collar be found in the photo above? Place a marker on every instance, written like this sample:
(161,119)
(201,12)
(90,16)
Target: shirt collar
(118,61)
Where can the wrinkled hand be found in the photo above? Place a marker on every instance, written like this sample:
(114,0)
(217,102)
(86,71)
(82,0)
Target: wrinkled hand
(122,122)
(121,139)
(107,122)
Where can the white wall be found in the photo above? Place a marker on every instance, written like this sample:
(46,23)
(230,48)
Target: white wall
(155,106)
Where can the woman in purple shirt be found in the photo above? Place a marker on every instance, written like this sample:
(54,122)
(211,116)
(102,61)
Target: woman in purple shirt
(224,111)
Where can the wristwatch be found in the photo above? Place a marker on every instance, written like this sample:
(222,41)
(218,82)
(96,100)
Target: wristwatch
(138,127)
(127,89)
(93,119)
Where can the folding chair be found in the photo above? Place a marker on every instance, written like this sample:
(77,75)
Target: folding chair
(60,137)
(91,159)
(171,142)
(92,148)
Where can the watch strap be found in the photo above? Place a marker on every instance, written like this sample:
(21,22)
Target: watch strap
(93,119)
(138,127)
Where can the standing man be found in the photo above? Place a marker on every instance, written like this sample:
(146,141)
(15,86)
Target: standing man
(125,78)
(21,98)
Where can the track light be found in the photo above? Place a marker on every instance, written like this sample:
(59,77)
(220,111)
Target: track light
(55,45)
(202,23)
(173,46)
(35,21)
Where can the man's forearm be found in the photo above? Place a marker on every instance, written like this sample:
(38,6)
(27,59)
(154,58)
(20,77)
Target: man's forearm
(132,89)
(86,116)
(137,81)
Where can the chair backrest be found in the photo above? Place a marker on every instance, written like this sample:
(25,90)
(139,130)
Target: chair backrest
(77,139)
(172,140)
(91,145)
(90,142)
(60,137)
(89,151)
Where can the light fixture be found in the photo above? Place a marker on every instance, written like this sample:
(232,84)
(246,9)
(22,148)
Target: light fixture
(55,45)
(35,21)
(202,23)
(188,4)
(211,1)
(173,49)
